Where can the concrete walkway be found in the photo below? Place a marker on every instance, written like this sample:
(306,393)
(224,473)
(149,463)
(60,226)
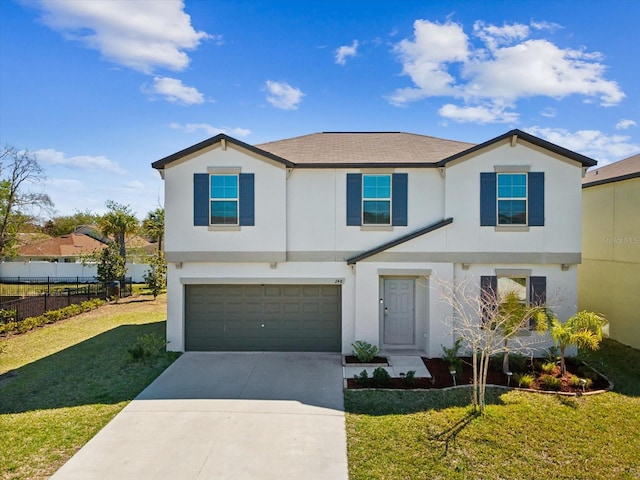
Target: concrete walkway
(227,416)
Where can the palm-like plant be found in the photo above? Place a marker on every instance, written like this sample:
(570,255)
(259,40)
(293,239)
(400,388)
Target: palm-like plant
(584,330)
(513,315)
(153,226)
(117,223)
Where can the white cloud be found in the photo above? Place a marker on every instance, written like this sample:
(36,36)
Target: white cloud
(477,114)
(175,91)
(504,66)
(210,130)
(592,143)
(345,51)
(284,96)
(426,59)
(625,123)
(139,34)
(548,112)
(52,157)
(134,185)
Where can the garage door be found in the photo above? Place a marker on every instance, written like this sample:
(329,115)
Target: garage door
(303,318)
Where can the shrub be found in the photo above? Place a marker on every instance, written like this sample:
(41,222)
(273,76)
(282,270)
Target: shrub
(410,377)
(364,351)
(518,363)
(147,347)
(550,382)
(10,326)
(548,367)
(380,377)
(524,381)
(574,381)
(451,356)
(52,316)
(362,378)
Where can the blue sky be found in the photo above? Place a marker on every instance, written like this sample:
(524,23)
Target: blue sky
(99,89)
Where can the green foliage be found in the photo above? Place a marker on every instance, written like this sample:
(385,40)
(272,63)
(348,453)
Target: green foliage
(153,226)
(362,378)
(584,329)
(518,362)
(65,224)
(156,276)
(148,347)
(524,380)
(117,223)
(50,317)
(452,356)
(111,265)
(548,367)
(7,315)
(574,381)
(552,354)
(549,382)
(380,377)
(410,377)
(18,169)
(364,351)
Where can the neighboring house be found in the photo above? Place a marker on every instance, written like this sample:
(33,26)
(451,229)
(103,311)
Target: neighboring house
(609,277)
(313,242)
(66,248)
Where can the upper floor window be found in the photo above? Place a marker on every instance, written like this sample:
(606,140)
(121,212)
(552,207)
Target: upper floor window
(512,199)
(224,199)
(376,199)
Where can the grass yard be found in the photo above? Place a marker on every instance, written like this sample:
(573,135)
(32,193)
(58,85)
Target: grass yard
(433,435)
(67,380)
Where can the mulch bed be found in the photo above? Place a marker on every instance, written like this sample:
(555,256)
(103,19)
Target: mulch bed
(353,360)
(441,378)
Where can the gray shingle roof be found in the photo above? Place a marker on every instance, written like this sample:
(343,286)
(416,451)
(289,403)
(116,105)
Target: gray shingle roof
(615,172)
(356,148)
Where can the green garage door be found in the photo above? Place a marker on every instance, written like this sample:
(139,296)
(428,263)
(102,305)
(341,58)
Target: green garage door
(294,318)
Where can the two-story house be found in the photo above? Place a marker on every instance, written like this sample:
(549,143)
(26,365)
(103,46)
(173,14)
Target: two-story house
(313,242)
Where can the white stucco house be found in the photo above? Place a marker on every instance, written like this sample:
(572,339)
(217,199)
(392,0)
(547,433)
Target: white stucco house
(313,242)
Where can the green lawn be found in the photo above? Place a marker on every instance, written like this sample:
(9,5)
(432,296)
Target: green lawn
(433,435)
(63,383)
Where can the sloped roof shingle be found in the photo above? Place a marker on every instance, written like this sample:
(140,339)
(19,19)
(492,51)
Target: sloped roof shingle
(614,172)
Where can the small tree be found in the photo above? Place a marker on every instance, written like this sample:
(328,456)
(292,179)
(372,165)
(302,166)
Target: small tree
(111,266)
(18,170)
(156,276)
(153,226)
(487,327)
(584,329)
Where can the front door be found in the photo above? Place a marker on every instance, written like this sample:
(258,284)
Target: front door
(399,312)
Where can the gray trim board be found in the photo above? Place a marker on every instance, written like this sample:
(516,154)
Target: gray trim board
(261,281)
(226,257)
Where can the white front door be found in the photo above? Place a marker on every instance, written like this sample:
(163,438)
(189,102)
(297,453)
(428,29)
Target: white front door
(398,323)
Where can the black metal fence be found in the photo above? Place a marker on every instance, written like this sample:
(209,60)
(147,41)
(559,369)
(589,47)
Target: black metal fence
(24,297)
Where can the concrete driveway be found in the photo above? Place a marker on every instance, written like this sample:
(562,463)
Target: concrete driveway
(227,416)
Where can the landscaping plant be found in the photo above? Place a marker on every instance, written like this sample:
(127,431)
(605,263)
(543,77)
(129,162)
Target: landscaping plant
(364,351)
(584,329)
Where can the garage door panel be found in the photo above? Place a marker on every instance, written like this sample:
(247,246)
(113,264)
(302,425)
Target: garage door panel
(263,317)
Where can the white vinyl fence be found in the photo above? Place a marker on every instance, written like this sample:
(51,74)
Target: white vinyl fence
(55,269)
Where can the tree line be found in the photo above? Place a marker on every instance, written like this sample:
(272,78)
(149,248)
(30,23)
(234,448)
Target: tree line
(22,205)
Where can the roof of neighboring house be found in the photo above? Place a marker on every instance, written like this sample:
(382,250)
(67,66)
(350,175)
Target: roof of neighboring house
(615,172)
(357,148)
(71,245)
(373,149)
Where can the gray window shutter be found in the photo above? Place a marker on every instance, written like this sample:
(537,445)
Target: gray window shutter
(487,199)
(399,201)
(488,295)
(538,290)
(200,199)
(246,202)
(536,198)
(354,199)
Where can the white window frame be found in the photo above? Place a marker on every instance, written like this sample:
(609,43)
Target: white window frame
(378,199)
(525,198)
(218,199)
